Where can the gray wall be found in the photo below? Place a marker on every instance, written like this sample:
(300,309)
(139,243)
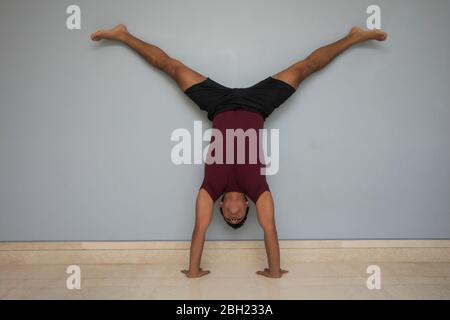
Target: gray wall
(85,128)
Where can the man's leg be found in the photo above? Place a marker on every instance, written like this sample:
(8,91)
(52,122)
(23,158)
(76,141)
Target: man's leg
(320,58)
(184,76)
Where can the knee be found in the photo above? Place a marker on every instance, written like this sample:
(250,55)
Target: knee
(171,66)
(305,68)
(311,65)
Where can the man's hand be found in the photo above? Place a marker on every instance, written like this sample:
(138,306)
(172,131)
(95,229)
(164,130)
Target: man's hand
(198,274)
(267,273)
(266,217)
(203,217)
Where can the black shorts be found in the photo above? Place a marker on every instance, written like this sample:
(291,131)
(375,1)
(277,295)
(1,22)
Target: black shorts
(264,97)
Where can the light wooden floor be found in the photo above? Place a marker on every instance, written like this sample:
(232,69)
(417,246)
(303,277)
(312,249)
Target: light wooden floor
(333,270)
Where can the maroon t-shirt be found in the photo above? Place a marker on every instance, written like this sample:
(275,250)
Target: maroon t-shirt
(221,176)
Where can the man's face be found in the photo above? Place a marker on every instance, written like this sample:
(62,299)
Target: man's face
(234,208)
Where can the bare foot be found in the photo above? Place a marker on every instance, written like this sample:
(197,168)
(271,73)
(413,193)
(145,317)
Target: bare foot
(267,273)
(198,274)
(115,33)
(369,34)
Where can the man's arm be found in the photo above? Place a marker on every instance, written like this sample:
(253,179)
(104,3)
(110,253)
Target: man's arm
(266,218)
(203,217)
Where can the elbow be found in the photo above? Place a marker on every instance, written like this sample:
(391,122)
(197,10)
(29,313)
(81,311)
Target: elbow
(201,228)
(268,227)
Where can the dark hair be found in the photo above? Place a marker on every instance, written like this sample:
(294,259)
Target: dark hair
(236,225)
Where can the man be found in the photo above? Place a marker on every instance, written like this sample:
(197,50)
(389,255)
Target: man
(237,108)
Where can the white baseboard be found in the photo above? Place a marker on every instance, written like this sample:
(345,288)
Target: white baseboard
(178,251)
(177,245)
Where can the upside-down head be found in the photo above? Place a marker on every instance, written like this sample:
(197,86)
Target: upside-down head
(234,209)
